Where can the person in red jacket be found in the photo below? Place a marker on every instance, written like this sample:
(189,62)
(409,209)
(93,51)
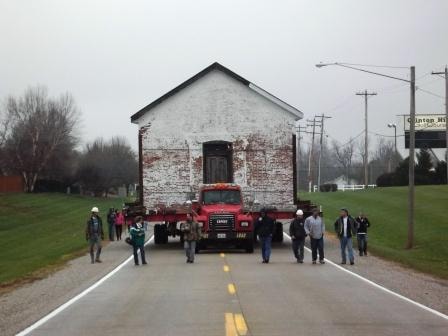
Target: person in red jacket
(119,222)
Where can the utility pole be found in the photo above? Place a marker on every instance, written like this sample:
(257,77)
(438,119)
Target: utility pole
(446,113)
(411,197)
(366,134)
(299,129)
(311,155)
(322,120)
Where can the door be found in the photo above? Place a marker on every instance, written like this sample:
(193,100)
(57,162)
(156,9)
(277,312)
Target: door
(218,162)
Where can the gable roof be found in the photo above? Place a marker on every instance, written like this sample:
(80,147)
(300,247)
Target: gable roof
(216,66)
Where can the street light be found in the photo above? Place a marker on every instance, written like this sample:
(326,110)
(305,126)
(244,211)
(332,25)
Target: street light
(411,194)
(394,126)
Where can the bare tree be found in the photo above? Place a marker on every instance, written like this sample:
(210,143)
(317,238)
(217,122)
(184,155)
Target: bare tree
(385,152)
(344,155)
(39,129)
(106,165)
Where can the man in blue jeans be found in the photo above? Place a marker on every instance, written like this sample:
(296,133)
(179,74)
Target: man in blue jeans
(265,229)
(315,228)
(345,227)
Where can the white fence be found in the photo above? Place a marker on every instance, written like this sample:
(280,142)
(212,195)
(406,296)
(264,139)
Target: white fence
(349,187)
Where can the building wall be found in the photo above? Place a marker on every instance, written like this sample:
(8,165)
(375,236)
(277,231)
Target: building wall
(217,108)
(11,184)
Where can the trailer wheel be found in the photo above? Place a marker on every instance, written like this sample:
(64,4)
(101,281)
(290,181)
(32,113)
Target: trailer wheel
(249,246)
(164,233)
(278,232)
(157,234)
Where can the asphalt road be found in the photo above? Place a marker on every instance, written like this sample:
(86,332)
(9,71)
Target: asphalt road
(235,294)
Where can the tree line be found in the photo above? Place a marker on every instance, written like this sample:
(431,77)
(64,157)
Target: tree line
(40,141)
(386,166)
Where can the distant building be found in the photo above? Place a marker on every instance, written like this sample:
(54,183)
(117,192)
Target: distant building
(217,127)
(342,180)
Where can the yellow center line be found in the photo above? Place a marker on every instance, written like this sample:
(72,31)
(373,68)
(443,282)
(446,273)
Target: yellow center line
(235,325)
(230,325)
(226,268)
(231,288)
(222,255)
(241,325)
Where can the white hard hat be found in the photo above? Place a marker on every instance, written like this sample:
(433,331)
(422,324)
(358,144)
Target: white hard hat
(95,209)
(299,213)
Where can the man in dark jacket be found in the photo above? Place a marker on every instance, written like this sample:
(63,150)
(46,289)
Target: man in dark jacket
(94,234)
(362,223)
(111,222)
(298,234)
(265,229)
(192,233)
(345,227)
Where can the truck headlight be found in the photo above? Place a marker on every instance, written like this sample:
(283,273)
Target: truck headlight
(244,224)
(201,224)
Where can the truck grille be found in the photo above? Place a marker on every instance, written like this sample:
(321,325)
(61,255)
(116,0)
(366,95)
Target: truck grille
(221,222)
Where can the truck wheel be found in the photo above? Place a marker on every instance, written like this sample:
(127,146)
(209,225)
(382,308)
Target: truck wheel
(164,233)
(249,246)
(278,233)
(157,234)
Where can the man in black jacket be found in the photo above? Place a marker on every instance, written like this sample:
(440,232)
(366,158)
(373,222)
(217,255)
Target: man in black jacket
(362,223)
(265,229)
(298,234)
(345,227)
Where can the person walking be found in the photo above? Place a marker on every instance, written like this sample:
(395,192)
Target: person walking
(265,229)
(94,235)
(119,222)
(315,228)
(362,223)
(192,233)
(345,227)
(111,222)
(298,235)
(138,240)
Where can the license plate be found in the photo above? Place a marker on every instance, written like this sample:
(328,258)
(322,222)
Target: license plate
(221,235)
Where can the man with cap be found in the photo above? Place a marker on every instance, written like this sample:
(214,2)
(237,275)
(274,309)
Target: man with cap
(298,234)
(315,228)
(94,234)
(265,229)
(345,227)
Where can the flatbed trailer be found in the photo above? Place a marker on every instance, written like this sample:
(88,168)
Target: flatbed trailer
(223,218)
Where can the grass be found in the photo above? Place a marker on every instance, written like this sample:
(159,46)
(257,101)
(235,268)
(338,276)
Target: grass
(39,232)
(386,208)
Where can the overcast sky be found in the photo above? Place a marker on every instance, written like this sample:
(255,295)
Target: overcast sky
(117,56)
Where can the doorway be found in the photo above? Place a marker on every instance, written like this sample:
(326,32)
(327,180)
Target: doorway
(218,162)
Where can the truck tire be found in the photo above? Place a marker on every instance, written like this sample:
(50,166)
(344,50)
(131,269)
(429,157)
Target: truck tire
(160,234)
(249,246)
(157,234)
(164,233)
(278,233)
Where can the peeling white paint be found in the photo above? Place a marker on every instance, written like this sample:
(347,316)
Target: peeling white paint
(217,108)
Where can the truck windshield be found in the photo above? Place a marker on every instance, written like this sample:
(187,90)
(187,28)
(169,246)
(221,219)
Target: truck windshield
(221,197)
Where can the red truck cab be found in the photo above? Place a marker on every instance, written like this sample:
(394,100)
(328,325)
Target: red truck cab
(220,214)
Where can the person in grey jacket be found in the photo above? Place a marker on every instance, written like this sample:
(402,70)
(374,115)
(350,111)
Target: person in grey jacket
(315,228)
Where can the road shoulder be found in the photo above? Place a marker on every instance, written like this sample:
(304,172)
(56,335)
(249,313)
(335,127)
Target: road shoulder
(28,303)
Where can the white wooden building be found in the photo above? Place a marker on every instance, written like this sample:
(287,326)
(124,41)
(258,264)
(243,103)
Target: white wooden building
(217,127)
